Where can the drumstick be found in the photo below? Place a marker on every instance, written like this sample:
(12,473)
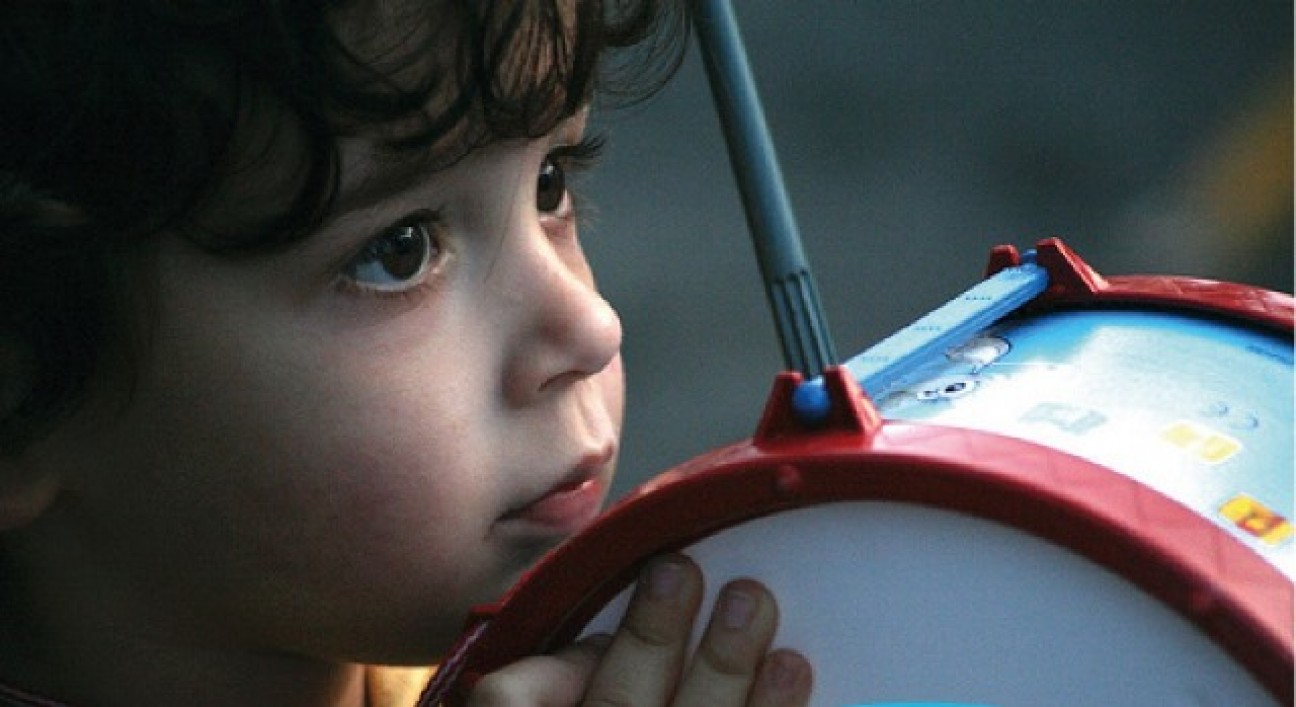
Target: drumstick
(794,300)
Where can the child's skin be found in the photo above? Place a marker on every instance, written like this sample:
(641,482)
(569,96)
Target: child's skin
(328,454)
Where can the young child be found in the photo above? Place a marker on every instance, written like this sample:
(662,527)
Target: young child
(300,357)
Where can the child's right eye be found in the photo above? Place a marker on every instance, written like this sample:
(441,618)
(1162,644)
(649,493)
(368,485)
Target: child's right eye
(397,259)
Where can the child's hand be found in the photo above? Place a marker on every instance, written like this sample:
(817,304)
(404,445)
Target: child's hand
(644,664)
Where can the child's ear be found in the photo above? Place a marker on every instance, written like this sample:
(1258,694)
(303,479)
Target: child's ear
(25,491)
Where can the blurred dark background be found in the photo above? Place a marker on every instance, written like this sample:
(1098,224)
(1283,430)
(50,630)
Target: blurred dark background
(1154,137)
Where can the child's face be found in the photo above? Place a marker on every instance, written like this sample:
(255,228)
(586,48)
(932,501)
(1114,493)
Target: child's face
(338,449)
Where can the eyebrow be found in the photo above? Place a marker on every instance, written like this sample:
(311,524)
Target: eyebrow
(375,182)
(370,173)
(378,172)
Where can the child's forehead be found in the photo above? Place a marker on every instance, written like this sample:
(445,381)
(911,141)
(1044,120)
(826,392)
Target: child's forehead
(369,173)
(420,53)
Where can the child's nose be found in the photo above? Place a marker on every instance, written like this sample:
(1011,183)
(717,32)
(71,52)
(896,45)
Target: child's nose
(572,332)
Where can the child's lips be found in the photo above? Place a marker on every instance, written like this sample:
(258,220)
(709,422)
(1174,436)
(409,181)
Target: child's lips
(569,505)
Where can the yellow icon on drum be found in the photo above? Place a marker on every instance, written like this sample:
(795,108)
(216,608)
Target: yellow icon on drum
(1257,519)
(1207,444)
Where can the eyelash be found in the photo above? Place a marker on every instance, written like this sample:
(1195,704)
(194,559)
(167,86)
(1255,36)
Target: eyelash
(581,156)
(577,159)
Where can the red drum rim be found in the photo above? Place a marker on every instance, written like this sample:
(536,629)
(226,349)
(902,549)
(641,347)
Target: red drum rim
(1073,282)
(1230,592)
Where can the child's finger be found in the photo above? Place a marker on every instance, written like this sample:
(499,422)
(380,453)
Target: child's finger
(647,653)
(784,679)
(558,679)
(732,654)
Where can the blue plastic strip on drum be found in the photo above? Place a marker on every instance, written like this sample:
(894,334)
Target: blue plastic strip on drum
(953,323)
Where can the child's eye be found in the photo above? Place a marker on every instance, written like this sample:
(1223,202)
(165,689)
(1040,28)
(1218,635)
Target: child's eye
(551,187)
(552,194)
(396,259)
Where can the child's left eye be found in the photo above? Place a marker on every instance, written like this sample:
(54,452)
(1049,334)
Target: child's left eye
(396,259)
(553,197)
(551,188)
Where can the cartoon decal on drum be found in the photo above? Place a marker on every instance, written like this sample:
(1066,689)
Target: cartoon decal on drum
(1088,502)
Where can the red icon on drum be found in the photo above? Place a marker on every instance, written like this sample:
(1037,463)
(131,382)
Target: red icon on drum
(1257,519)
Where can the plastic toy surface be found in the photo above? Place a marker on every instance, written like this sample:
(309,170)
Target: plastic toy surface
(1085,501)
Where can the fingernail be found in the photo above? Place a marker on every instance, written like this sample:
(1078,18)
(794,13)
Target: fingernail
(664,579)
(736,608)
(782,672)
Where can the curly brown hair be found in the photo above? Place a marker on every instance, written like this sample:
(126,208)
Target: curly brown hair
(125,119)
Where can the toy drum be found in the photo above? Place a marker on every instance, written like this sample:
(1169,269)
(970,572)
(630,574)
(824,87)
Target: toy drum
(1071,490)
